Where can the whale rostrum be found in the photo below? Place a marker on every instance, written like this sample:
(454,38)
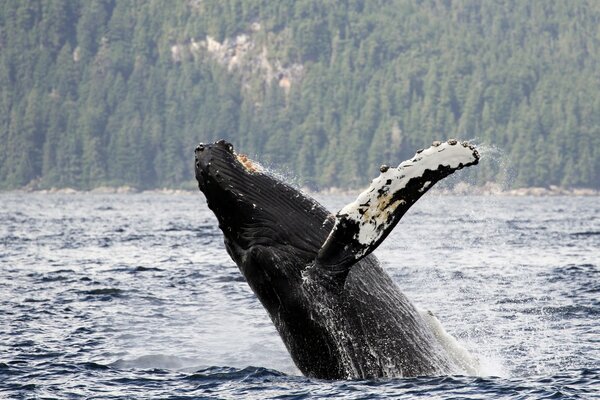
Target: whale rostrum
(337,311)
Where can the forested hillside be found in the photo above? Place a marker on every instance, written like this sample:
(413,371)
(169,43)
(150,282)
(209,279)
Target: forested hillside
(119,92)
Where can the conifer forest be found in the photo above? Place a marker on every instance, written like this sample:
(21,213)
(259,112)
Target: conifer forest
(119,92)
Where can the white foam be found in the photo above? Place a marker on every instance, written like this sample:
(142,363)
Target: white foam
(459,354)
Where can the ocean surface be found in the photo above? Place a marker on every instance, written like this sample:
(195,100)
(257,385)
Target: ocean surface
(133,296)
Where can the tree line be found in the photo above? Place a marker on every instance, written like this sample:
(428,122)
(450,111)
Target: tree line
(116,92)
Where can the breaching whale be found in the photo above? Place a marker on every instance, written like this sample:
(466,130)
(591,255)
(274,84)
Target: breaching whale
(337,311)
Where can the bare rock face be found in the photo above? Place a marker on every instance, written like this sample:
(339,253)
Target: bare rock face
(245,55)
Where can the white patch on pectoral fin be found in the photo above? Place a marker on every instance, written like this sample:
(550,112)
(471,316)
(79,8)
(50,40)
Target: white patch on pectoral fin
(363,224)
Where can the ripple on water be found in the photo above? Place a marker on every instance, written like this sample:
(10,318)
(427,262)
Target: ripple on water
(134,296)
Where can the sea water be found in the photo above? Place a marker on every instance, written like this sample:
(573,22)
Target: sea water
(134,296)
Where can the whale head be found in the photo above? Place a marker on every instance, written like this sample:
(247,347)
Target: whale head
(225,181)
(257,210)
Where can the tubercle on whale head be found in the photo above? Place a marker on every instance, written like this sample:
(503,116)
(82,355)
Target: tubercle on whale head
(212,160)
(247,163)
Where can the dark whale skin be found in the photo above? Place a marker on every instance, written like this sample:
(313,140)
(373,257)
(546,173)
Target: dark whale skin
(363,328)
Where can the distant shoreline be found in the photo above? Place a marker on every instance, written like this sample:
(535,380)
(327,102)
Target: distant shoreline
(460,189)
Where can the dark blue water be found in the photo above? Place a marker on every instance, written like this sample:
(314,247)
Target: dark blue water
(133,296)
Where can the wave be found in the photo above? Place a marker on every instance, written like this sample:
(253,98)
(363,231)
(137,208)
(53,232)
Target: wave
(112,292)
(586,233)
(156,361)
(231,373)
(257,382)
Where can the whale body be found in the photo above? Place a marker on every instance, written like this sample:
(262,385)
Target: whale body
(339,314)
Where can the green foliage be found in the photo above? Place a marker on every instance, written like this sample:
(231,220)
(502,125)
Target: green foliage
(114,92)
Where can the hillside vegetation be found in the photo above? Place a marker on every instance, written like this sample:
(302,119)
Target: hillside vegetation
(119,92)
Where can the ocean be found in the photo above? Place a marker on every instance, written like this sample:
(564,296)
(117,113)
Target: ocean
(120,296)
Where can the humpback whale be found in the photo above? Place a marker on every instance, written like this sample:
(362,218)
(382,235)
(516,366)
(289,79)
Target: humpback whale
(339,314)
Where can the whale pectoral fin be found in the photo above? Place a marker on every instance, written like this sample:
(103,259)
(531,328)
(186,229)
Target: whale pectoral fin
(363,224)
